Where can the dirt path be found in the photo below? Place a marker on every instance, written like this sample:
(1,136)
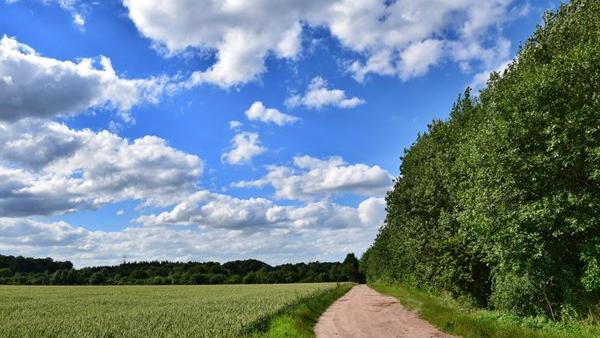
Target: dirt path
(363,312)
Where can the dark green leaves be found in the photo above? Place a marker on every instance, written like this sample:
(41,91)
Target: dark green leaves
(501,203)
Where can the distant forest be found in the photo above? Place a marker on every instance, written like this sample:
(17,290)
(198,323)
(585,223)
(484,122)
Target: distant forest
(500,204)
(45,271)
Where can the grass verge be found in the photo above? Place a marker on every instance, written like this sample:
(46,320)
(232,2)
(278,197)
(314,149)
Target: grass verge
(452,317)
(298,320)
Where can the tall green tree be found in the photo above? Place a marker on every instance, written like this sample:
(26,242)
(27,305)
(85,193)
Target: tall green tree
(501,202)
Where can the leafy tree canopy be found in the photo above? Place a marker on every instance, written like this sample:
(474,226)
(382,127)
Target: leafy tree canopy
(501,202)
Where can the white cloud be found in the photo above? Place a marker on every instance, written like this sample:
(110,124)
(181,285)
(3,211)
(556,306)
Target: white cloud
(35,86)
(406,38)
(241,59)
(322,232)
(211,210)
(311,231)
(235,125)
(372,210)
(244,146)
(30,232)
(70,6)
(242,34)
(207,226)
(48,168)
(258,112)
(480,79)
(317,178)
(78,19)
(73,8)
(214,210)
(417,58)
(317,95)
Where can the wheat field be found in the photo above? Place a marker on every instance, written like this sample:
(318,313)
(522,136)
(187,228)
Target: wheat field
(144,311)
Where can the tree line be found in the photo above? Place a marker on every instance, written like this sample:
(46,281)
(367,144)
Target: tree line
(45,271)
(500,204)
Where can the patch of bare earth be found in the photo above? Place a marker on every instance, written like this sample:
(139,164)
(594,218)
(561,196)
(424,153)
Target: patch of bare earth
(363,312)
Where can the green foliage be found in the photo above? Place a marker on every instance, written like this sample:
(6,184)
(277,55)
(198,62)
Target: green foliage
(298,320)
(5,272)
(97,278)
(465,321)
(147,311)
(34,271)
(591,275)
(32,265)
(500,204)
(350,269)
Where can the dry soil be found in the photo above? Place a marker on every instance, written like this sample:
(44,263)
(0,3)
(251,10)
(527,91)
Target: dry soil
(363,312)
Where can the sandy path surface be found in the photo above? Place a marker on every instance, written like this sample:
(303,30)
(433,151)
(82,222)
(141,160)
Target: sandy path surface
(363,312)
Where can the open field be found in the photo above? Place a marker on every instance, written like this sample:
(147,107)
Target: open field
(144,311)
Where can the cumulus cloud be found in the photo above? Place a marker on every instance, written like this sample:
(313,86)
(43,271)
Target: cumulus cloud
(244,146)
(30,232)
(406,38)
(211,210)
(207,226)
(403,38)
(32,85)
(48,168)
(239,32)
(258,112)
(372,210)
(314,178)
(417,58)
(318,230)
(317,95)
(87,248)
(274,243)
(214,210)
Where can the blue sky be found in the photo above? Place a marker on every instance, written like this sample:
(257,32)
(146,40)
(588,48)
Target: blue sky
(218,130)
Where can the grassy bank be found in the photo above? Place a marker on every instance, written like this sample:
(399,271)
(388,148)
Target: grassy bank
(298,320)
(453,317)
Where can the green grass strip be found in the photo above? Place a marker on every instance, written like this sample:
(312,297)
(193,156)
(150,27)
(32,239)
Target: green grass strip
(298,320)
(452,317)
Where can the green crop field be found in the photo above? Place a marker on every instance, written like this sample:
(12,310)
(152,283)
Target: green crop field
(143,311)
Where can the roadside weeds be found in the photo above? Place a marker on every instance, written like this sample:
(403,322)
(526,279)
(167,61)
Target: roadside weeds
(449,316)
(299,319)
